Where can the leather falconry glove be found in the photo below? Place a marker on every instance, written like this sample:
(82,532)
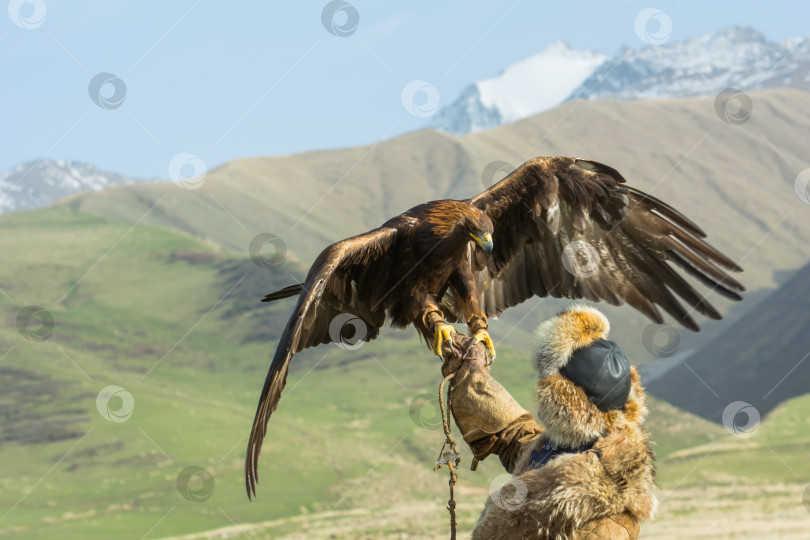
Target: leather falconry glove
(482,408)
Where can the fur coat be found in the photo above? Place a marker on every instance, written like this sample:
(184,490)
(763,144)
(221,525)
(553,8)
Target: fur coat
(602,491)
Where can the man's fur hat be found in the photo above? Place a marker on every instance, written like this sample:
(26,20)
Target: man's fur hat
(570,417)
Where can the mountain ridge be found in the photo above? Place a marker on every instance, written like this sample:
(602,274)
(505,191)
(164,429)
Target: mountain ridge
(737,57)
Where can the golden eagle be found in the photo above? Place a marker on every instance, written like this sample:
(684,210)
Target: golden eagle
(556,226)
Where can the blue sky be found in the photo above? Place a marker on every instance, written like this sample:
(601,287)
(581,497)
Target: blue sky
(223,80)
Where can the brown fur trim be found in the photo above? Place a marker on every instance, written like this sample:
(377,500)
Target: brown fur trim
(603,492)
(575,328)
(635,410)
(572,420)
(607,490)
(569,493)
(628,461)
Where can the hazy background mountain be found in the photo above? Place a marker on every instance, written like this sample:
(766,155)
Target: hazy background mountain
(736,57)
(760,360)
(42,182)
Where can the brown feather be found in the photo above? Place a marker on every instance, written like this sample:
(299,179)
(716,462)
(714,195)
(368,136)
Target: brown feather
(633,233)
(309,324)
(286,292)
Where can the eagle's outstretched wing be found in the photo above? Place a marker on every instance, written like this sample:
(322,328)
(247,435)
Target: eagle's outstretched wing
(344,279)
(570,228)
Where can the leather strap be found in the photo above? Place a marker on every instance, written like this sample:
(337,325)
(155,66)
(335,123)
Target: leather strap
(430,318)
(476,323)
(549,451)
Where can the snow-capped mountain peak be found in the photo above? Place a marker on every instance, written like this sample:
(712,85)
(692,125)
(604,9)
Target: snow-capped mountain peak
(736,57)
(538,82)
(44,181)
(527,87)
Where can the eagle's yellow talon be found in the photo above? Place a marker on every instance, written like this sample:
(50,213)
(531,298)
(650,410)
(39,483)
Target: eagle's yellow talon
(443,332)
(483,336)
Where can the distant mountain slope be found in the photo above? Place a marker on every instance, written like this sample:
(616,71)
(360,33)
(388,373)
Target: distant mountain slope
(737,57)
(42,182)
(763,359)
(528,87)
(309,200)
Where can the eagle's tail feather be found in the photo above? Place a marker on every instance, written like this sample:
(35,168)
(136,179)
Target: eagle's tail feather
(286,292)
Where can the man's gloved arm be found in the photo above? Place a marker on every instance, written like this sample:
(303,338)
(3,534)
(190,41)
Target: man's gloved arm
(489,418)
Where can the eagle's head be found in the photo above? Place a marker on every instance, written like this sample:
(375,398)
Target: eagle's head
(480,228)
(462,222)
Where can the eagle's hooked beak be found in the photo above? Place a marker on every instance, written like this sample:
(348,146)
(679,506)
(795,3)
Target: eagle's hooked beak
(484,241)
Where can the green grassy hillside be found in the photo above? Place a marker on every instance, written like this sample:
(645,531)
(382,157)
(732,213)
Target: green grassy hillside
(139,316)
(163,316)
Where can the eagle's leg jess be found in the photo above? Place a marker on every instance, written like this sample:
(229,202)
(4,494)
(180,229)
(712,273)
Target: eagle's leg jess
(478,324)
(442,331)
(466,293)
